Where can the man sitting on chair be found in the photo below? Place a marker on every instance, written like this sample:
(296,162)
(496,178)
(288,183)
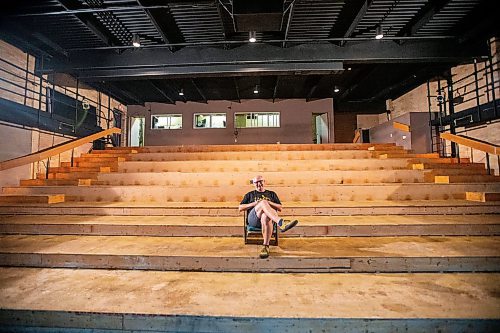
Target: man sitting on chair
(264,206)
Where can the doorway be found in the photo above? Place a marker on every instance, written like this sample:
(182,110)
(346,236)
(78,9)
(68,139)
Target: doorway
(320,130)
(137,125)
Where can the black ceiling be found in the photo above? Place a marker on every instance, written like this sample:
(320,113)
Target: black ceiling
(304,47)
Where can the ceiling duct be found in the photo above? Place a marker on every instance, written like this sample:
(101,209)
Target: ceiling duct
(258,15)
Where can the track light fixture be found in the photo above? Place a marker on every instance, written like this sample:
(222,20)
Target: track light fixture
(379,32)
(252,36)
(256,89)
(181,92)
(336,89)
(136,40)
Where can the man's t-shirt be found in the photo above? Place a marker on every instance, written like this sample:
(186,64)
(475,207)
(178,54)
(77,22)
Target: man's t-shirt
(256,196)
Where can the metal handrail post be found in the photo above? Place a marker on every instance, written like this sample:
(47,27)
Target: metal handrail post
(47,168)
(478,104)
(488,163)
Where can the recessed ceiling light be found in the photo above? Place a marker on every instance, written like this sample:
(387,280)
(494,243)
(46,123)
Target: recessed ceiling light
(252,36)
(379,32)
(136,40)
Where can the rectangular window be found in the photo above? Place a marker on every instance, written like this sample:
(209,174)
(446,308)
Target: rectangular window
(166,121)
(209,120)
(257,119)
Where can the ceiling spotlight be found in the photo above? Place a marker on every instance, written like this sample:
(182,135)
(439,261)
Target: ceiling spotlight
(379,32)
(136,40)
(256,89)
(336,89)
(252,36)
(181,93)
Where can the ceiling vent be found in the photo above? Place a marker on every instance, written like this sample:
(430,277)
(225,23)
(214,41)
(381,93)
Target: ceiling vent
(258,15)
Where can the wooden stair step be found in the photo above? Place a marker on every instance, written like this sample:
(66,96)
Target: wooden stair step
(98,159)
(37,198)
(80,169)
(220,302)
(447,161)
(262,147)
(58,182)
(297,209)
(263,166)
(226,226)
(69,175)
(482,196)
(466,179)
(293,193)
(272,177)
(435,166)
(324,254)
(252,156)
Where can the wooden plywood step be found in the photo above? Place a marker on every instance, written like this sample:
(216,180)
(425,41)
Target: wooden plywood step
(330,254)
(39,198)
(433,166)
(231,226)
(59,182)
(466,179)
(109,152)
(273,177)
(262,147)
(79,169)
(228,208)
(99,159)
(483,196)
(253,156)
(217,302)
(234,193)
(264,166)
(68,175)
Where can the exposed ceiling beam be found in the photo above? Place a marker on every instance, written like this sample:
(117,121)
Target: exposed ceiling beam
(313,83)
(90,22)
(157,87)
(120,95)
(237,88)
(200,92)
(163,20)
(275,90)
(259,59)
(424,16)
(351,14)
(290,14)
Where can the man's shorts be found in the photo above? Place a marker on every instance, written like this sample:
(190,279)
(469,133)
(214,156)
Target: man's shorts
(253,220)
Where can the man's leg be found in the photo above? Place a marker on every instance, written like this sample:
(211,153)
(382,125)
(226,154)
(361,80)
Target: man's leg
(267,228)
(263,207)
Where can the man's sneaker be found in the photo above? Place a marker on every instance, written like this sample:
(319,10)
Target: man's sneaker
(264,253)
(287,225)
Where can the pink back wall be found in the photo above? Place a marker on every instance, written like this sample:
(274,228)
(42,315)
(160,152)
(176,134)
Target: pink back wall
(295,122)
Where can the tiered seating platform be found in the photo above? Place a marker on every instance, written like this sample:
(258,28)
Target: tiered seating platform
(149,239)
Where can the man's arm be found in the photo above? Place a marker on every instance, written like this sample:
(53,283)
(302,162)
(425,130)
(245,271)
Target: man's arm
(243,207)
(276,206)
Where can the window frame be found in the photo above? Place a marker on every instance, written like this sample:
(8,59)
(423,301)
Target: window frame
(166,115)
(210,114)
(257,113)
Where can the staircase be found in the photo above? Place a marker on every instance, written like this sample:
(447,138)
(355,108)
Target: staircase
(149,239)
